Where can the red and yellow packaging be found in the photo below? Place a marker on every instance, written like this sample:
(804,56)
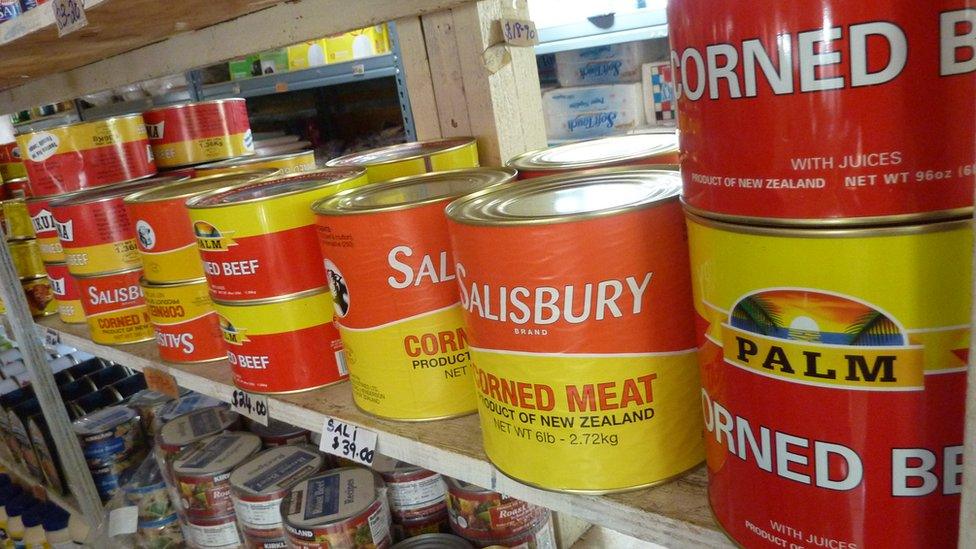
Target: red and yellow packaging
(164,232)
(286,164)
(195,133)
(16,188)
(833,403)
(799,114)
(258,240)
(16,221)
(46,229)
(582,343)
(114,307)
(647,149)
(11,166)
(283,346)
(186,325)
(405,159)
(389,265)
(26,258)
(480,514)
(66,293)
(88,154)
(40,297)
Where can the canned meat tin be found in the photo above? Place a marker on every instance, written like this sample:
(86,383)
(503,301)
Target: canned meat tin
(259,485)
(88,154)
(585,337)
(115,309)
(827,91)
(621,150)
(186,325)
(27,258)
(782,322)
(283,346)
(17,188)
(388,259)
(11,165)
(286,164)
(434,541)
(39,295)
(213,533)
(248,236)
(66,293)
(278,433)
(414,492)
(480,514)
(16,221)
(202,472)
(194,133)
(46,229)
(414,158)
(341,509)
(94,228)
(164,232)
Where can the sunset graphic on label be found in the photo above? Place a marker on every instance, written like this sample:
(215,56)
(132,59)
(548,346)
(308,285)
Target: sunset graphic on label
(232,335)
(211,239)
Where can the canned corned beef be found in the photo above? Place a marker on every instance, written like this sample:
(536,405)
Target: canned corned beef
(26,258)
(202,472)
(259,485)
(193,133)
(187,327)
(286,164)
(480,514)
(115,309)
(11,166)
(39,295)
(66,293)
(45,229)
(16,188)
(619,150)
(278,433)
(414,158)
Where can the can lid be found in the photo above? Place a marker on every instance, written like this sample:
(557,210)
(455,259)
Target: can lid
(243,161)
(106,274)
(196,185)
(194,426)
(103,420)
(567,197)
(401,152)
(180,284)
(276,469)
(108,192)
(275,428)
(330,498)
(103,121)
(180,106)
(18,180)
(595,153)
(407,192)
(274,187)
(217,454)
(391,468)
(434,541)
(454,486)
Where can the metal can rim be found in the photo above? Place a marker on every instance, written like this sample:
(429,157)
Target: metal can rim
(106,120)
(251,158)
(195,203)
(527,160)
(144,196)
(111,192)
(187,104)
(106,273)
(456,143)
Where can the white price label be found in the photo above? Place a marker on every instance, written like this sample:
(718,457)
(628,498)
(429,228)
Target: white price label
(519,32)
(69,15)
(250,405)
(348,441)
(123,520)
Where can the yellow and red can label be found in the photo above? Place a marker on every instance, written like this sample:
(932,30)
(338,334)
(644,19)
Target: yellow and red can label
(415,158)
(96,237)
(66,292)
(583,348)
(40,298)
(16,188)
(186,325)
(89,154)
(833,381)
(286,164)
(395,294)
(199,132)
(283,346)
(45,229)
(165,240)
(115,308)
(16,220)
(27,258)
(11,166)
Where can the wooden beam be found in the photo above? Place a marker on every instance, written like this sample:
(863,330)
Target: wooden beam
(416,71)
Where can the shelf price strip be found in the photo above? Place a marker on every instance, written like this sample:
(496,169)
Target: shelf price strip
(348,441)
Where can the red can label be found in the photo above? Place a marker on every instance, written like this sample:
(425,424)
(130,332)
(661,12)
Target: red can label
(97,237)
(115,308)
(489,515)
(811,111)
(198,133)
(187,328)
(41,217)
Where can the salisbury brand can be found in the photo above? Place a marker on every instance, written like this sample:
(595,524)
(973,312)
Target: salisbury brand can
(414,492)
(278,433)
(213,533)
(784,324)
(16,221)
(115,309)
(248,236)
(480,514)
(296,162)
(283,346)
(187,328)
(388,260)
(258,486)
(39,295)
(202,472)
(342,509)
(27,258)
(94,228)
(66,293)
(585,338)
(164,232)
(88,154)
(11,166)
(619,150)
(193,133)
(413,158)
(46,229)
(828,92)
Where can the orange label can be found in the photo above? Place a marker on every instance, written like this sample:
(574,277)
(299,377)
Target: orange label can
(66,293)
(115,307)
(194,133)
(186,326)
(297,162)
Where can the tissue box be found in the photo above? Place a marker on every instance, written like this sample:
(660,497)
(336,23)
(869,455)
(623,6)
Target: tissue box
(305,55)
(245,67)
(610,64)
(274,61)
(592,111)
(660,102)
(357,44)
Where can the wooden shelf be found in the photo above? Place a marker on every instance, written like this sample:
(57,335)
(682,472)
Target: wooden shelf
(675,514)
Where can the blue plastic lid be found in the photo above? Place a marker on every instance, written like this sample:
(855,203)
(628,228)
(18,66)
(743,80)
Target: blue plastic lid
(55,519)
(19,504)
(35,515)
(9,492)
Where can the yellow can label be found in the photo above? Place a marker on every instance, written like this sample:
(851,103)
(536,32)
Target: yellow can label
(205,149)
(16,220)
(51,250)
(127,325)
(41,145)
(70,311)
(102,258)
(455,159)
(241,321)
(288,165)
(177,304)
(12,170)
(174,265)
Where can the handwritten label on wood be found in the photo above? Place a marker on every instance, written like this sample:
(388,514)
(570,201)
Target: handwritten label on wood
(519,32)
(161,382)
(69,15)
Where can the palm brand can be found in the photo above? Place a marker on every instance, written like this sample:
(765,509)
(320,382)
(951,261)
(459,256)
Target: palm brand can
(66,293)
(480,514)
(259,485)
(333,510)
(278,433)
(620,150)
(45,229)
(27,258)
(39,295)
(248,236)
(202,472)
(414,158)
(16,221)
(414,492)
(88,154)
(286,164)
(213,533)
(186,325)
(586,337)
(283,345)
(164,232)
(828,89)
(782,322)
(115,308)
(95,230)
(388,260)
(11,165)
(194,133)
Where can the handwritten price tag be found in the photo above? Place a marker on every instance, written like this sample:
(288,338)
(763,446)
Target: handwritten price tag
(161,382)
(519,32)
(49,336)
(252,406)
(348,441)
(69,15)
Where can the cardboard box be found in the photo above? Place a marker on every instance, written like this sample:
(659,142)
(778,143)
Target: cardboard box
(357,44)
(306,55)
(592,111)
(274,61)
(660,102)
(245,67)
